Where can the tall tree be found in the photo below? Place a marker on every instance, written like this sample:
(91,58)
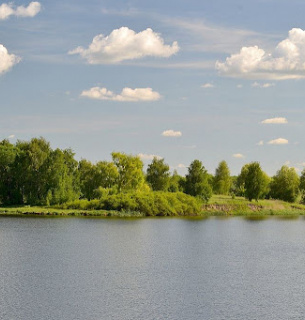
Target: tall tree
(158,175)
(256,182)
(285,184)
(176,182)
(196,183)
(8,154)
(222,179)
(130,172)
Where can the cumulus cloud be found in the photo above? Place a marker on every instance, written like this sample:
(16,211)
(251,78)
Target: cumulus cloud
(207,86)
(8,9)
(275,121)
(238,155)
(287,61)
(12,136)
(171,133)
(7,61)
(262,85)
(127,94)
(278,141)
(125,44)
(144,156)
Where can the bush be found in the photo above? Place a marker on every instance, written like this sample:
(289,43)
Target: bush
(148,203)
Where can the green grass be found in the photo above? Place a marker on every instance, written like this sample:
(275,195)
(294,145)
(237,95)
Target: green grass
(220,205)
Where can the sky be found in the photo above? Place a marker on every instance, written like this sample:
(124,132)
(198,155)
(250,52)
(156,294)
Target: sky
(181,80)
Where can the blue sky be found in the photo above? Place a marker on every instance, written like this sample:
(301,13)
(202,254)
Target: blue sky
(183,80)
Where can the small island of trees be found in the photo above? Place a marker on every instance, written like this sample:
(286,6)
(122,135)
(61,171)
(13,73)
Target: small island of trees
(33,174)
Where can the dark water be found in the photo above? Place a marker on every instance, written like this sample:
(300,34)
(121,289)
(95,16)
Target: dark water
(150,269)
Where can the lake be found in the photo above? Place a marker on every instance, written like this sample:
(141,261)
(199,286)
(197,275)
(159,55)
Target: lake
(81,268)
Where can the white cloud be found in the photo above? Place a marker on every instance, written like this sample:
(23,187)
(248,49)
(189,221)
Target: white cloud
(287,61)
(144,156)
(181,166)
(12,136)
(127,94)
(7,61)
(171,133)
(8,9)
(125,44)
(239,86)
(278,141)
(262,85)
(238,155)
(275,121)
(207,86)
(260,143)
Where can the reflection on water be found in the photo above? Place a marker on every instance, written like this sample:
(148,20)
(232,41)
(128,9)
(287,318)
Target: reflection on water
(76,268)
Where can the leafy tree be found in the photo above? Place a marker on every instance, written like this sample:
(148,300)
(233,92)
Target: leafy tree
(62,177)
(94,176)
(176,182)
(222,179)
(256,182)
(130,172)
(8,154)
(196,183)
(31,171)
(241,181)
(158,175)
(285,184)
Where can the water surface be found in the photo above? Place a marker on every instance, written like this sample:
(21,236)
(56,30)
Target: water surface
(77,268)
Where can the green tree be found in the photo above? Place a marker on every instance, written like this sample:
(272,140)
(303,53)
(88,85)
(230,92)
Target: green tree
(62,177)
(176,182)
(285,184)
(8,154)
(158,175)
(222,179)
(130,172)
(31,171)
(196,183)
(241,181)
(256,182)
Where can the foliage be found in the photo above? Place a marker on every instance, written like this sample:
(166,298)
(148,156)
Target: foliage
(156,203)
(176,182)
(196,183)
(158,175)
(130,172)
(256,182)
(285,184)
(222,179)
(103,174)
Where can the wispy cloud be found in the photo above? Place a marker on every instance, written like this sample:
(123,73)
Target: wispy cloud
(279,120)
(208,37)
(260,143)
(171,133)
(8,9)
(278,141)
(127,94)
(125,44)
(287,61)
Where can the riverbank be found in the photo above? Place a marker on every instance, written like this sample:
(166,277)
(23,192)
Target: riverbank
(218,206)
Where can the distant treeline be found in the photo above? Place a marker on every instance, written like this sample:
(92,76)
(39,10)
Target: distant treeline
(32,173)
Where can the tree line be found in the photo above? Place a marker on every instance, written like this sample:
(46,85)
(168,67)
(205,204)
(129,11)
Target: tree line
(32,173)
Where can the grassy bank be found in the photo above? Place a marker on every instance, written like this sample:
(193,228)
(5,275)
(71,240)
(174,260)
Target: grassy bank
(218,205)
